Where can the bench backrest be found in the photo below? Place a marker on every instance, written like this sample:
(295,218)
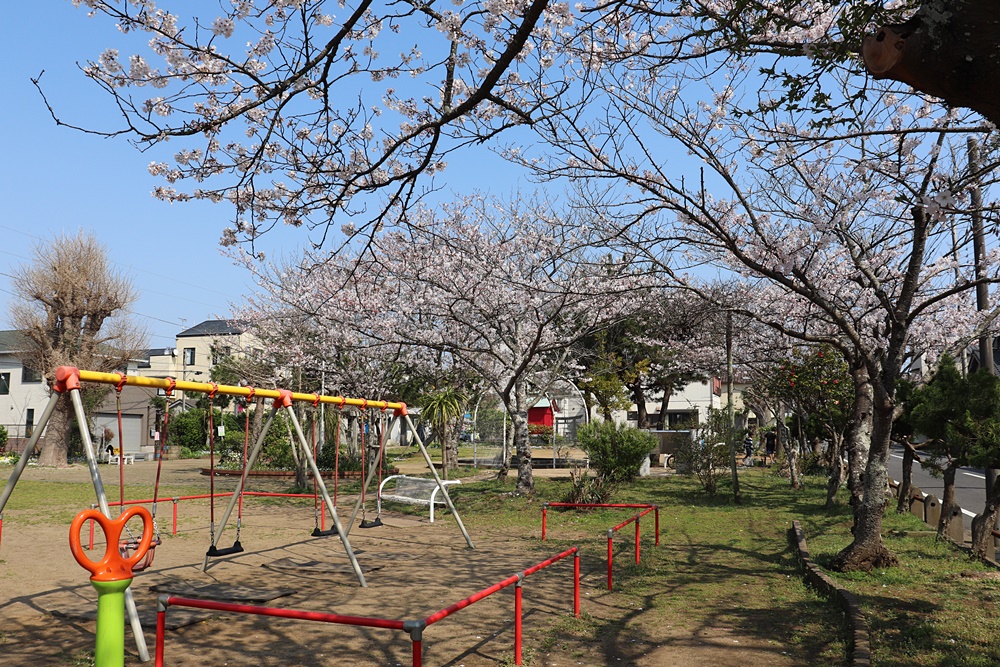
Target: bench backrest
(415,487)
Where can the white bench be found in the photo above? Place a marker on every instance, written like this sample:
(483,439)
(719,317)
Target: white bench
(128,458)
(413,490)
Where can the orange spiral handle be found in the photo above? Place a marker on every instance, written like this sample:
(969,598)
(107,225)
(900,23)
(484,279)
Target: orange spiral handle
(113,566)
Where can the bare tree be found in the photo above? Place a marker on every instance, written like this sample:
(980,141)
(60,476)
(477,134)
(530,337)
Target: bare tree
(72,308)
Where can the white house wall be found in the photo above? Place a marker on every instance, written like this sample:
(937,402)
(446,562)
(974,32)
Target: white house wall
(22,398)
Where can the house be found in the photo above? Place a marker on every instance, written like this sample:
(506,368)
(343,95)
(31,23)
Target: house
(23,391)
(197,350)
(138,422)
(690,405)
(24,394)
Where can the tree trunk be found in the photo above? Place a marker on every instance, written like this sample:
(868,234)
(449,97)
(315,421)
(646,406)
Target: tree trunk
(867,551)
(639,397)
(947,50)
(451,450)
(352,437)
(664,422)
(56,448)
(905,484)
(948,503)
(836,470)
(982,525)
(505,446)
(297,456)
(442,432)
(859,435)
(522,441)
(793,449)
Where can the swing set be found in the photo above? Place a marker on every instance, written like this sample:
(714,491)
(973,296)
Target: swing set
(68,381)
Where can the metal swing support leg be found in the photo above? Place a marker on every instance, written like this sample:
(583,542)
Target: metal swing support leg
(372,469)
(102,500)
(307,453)
(257,446)
(442,487)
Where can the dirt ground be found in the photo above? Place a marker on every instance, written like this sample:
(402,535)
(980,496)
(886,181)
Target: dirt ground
(413,568)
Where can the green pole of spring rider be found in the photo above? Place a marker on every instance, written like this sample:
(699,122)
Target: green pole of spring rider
(111,577)
(110,648)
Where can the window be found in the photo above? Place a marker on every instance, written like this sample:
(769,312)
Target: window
(29,375)
(220,353)
(189,356)
(29,422)
(4,383)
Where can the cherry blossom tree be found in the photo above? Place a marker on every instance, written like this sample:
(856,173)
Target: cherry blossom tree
(503,289)
(301,112)
(844,236)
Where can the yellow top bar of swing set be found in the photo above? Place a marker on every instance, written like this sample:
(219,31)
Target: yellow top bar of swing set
(229,390)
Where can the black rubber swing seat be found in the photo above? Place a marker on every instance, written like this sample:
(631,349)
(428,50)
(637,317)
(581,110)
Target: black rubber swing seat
(324,533)
(215,552)
(372,524)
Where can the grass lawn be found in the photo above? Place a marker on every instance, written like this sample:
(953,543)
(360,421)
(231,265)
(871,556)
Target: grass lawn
(719,564)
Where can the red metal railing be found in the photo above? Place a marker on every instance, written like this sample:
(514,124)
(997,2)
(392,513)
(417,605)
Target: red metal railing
(611,534)
(647,508)
(415,628)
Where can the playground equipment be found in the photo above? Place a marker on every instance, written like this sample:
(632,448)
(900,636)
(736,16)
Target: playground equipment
(132,543)
(111,577)
(415,628)
(646,509)
(68,381)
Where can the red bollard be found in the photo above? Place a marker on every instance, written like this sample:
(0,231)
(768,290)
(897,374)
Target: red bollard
(544,512)
(175,516)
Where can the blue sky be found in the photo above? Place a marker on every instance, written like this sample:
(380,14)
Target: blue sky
(54,179)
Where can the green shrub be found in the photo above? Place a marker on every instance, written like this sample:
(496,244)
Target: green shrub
(707,457)
(327,460)
(3,438)
(187,429)
(615,452)
(587,489)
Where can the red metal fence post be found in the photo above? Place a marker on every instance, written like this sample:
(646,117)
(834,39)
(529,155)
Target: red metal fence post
(576,583)
(418,649)
(416,630)
(636,540)
(544,512)
(517,623)
(656,515)
(175,516)
(161,627)
(611,534)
